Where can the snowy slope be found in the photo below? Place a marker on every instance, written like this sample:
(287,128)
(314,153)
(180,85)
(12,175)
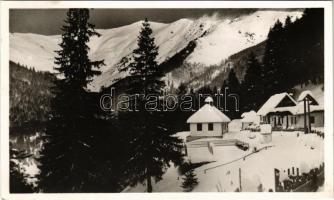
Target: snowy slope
(38,50)
(216,39)
(231,36)
(33,50)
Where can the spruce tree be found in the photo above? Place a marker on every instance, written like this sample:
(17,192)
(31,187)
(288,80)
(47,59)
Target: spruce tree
(68,159)
(233,82)
(252,96)
(288,22)
(294,48)
(233,85)
(272,60)
(151,142)
(224,85)
(189,181)
(180,115)
(143,67)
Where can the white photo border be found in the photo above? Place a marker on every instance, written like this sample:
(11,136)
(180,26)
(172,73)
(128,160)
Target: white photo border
(4,100)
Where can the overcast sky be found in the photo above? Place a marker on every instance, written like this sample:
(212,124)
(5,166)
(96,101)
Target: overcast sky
(49,21)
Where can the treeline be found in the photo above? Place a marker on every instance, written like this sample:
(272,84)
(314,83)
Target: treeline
(30,94)
(238,62)
(295,52)
(293,55)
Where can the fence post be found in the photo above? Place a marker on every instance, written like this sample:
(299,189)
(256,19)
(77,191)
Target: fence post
(240,180)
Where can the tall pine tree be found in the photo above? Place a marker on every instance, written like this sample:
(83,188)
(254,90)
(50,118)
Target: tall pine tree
(252,86)
(272,60)
(68,159)
(233,85)
(151,142)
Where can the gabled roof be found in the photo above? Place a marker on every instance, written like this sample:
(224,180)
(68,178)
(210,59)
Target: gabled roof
(273,103)
(208,114)
(309,95)
(296,110)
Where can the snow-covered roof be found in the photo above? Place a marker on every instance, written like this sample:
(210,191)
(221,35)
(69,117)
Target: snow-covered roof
(309,94)
(297,110)
(313,108)
(208,114)
(250,116)
(291,109)
(273,102)
(304,94)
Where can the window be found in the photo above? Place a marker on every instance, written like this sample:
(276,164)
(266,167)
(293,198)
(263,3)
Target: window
(199,127)
(312,119)
(210,126)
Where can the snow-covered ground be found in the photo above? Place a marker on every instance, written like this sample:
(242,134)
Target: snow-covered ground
(287,150)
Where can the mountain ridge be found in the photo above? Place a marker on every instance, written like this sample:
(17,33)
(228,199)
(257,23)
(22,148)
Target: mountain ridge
(216,39)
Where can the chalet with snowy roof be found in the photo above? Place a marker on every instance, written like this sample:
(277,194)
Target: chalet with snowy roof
(282,111)
(278,111)
(208,121)
(309,112)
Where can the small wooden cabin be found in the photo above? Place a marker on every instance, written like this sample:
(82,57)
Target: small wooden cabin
(208,121)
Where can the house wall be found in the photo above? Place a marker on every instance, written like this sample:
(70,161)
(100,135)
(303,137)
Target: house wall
(285,122)
(218,129)
(318,120)
(277,121)
(295,121)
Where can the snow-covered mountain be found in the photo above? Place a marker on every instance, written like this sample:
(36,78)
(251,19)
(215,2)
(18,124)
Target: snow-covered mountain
(216,39)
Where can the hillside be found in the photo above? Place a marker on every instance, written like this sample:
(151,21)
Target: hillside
(214,75)
(215,40)
(29,96)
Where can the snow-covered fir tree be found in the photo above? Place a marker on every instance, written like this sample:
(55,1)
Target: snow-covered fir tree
(152,145)
(68,160)
(189,181)
(252,87)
